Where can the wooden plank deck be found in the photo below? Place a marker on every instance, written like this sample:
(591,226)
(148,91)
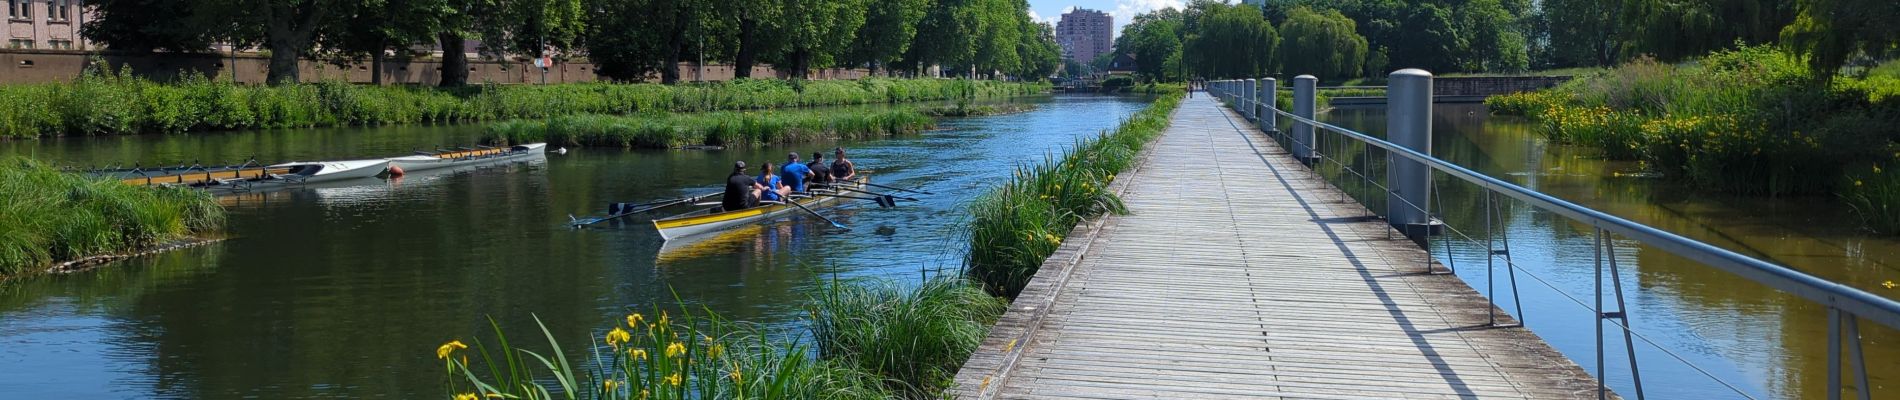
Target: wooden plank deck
(1239,274)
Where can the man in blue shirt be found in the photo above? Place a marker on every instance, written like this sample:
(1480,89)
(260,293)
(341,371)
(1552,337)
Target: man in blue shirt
(794,173)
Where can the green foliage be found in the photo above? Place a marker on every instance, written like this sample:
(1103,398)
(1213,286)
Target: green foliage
(1153,38)
(105,103)
(1830,32)
(1234,42)
(1322,43)
(915,339)
(1016,226)
(1752,120)
(667,130)
(52,216)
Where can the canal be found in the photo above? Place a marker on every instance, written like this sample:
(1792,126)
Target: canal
(1765,343)
(346,290)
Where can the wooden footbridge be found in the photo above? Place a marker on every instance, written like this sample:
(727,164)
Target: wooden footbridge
(1238,273)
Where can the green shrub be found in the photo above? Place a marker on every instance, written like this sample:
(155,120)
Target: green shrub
(1874,193)
(659,131)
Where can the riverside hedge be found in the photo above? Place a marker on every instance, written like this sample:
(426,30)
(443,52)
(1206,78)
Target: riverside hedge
(105,103)
(659,131)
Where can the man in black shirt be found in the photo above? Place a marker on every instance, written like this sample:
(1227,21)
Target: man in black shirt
(820,172)
(741,191)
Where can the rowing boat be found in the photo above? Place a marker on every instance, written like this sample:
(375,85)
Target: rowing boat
(704,221)
(424,162)
(328,171)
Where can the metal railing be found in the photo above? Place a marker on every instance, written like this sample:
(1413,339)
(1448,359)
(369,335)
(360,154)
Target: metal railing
(1845,305)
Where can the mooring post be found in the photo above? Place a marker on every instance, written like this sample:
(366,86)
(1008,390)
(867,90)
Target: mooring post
(1304,87)
(1265,103)
(1409,124)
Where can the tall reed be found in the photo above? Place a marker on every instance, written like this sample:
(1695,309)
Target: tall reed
(1016,226)
(51,216)
(712,129)
(914,339)
(105,102)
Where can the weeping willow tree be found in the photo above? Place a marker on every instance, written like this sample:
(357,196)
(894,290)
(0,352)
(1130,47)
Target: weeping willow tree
(1322,43)
(1233,41)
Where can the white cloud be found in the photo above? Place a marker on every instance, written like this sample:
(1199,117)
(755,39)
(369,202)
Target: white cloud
(1033,16)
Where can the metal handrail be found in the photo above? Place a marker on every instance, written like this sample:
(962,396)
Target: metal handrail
(1846,298)
(1839,298)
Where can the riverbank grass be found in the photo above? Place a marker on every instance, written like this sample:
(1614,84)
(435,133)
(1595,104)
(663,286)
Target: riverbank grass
(658,131)
(1016,226)
(51,216)
(103,102)
(1754,120)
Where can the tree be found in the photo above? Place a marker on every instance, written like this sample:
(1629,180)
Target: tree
(1233,42)
(1152,38)
(124,25)
(371,28)
(815,33)
(1831,31)
(1579,32)
(946,36)
(659,43)
(1038,50)
(1323,43)
(998,36)
(533,28)
(889,26)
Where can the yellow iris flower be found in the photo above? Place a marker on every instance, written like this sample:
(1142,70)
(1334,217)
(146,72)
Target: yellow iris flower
(442,353)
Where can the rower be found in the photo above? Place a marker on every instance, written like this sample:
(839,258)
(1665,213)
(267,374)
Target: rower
(794,174)
(820,172)
(842,169)
(774,187)
(741,191)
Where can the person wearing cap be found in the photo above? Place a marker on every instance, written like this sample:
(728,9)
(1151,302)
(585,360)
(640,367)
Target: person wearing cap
(820,172)
(794,174)
(842,169)
(741,191)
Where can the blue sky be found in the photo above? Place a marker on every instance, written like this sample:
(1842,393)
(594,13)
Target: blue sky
(1124,10)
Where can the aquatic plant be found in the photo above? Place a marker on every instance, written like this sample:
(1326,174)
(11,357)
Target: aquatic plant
(1752,120)
(711,129)
(914,339)
(1016,226)
(105,102)
(975,110)
(51,216)
(1874,193)
(653,357)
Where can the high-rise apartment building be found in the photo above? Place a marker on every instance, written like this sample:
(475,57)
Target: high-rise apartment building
(46,24)
(1085,33)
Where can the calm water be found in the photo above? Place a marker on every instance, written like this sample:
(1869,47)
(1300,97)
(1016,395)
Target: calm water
(1766,343)
(345,291)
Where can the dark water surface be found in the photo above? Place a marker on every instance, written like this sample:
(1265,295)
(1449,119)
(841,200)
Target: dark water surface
(1766,343)
(346,290)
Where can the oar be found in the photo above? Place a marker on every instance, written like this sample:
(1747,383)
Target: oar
(897,188)
(815,214)
(638,208)
(881,201)
(879,194)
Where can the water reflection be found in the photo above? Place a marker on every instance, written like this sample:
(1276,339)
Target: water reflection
(329,291)
(1767,343)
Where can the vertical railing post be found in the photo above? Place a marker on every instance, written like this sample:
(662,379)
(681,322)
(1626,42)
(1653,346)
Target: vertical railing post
(1246,99)
(1409,124)
(1304,87)
(1264,105)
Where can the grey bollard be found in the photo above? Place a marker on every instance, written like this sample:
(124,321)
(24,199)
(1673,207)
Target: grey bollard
(1409,124)
(1304,87)
(1267,99)
(1246,102)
